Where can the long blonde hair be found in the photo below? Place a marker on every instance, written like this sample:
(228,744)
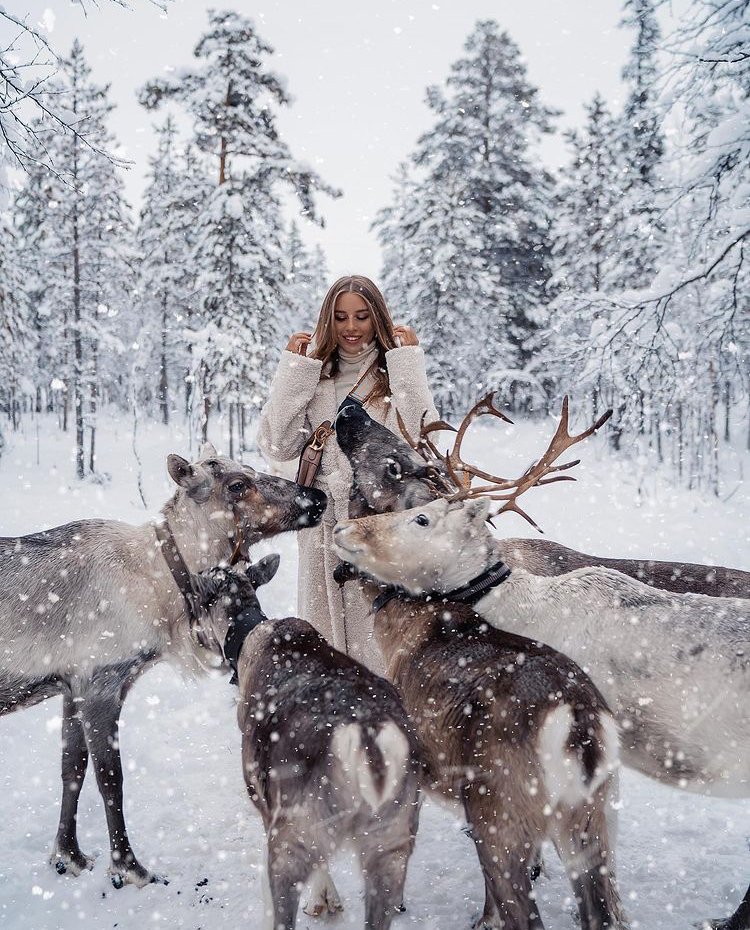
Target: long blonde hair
(326,347)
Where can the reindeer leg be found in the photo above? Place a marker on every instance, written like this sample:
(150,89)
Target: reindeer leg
(384,861)
(323,897)
(66,855)
(504,856)
(582,841)
(289,865)
(102,704)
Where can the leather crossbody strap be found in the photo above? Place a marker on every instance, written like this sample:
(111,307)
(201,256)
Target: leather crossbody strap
(312,452)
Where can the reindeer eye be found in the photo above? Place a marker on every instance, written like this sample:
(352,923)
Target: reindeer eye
(422,520)
(393,469)
(236,487)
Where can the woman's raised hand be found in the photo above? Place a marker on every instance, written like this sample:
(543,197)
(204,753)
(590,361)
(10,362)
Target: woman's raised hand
(298,343)
(405,336)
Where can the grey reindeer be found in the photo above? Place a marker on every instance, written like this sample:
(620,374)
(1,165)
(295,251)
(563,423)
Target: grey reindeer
(329,755)
(389,475)
(85,608)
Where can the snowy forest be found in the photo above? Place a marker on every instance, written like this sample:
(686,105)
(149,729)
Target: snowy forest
(619,279)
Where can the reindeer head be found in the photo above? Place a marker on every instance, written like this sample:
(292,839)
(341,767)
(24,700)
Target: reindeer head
(376,455)
(228,607)
(223,498)
(442,544)
(388,474)
(434,547)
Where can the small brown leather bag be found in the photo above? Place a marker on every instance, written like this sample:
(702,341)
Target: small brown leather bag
(312,451)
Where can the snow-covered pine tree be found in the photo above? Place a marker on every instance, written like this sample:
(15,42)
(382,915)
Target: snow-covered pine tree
(306,277)
(641,138)
(395,226)
(165,237)
(481,242)
(618,359)
(232,98)
(29,211)
(703,296)
(585,255)
(83,269)
(17,333)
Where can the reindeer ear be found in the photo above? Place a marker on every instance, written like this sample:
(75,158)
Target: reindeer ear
(194,479)
(479,509)
(262,572)
(207,451)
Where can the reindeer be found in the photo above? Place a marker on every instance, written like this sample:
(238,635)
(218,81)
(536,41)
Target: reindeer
(673,667)
(329,755)
(515,733)
(87,607)
(391,473)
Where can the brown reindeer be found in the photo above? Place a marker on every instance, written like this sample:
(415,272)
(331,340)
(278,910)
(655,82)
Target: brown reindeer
(85,608)
(519,737)
(329,755)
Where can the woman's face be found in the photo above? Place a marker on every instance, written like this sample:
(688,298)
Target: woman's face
(352,323)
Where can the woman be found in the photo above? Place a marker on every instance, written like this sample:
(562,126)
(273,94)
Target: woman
(354,336)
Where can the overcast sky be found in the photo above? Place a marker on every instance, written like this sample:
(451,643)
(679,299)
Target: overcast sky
(357,72)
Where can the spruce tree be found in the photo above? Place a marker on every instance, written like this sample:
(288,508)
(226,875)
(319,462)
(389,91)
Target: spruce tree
(82,226)
(165,241)
(480,240)
(642,142)
(233,99)
(588,215)
(17,332)
(306,278)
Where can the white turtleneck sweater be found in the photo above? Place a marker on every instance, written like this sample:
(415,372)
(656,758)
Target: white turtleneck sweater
(351,367)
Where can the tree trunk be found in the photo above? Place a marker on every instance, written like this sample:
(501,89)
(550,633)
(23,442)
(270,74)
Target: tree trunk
(727,408)
(231,410)
(206,411)
(77,352)
(163,381)
(93,403)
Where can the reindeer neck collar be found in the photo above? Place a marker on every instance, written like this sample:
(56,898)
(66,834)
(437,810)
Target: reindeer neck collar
(237,633)
(469,593)
(176,563)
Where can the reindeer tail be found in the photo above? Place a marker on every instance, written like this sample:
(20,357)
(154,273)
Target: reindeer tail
(373,763)
(578,750)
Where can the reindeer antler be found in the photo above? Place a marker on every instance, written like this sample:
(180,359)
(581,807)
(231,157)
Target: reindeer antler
(461,473)
(537,473)
(453,461)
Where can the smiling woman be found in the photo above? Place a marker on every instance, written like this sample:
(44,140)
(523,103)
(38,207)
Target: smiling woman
(355,348)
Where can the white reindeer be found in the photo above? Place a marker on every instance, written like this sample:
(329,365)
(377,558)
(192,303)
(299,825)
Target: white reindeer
(674,668)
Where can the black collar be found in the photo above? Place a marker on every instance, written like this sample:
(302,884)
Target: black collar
(237,633)
(469,593)
(178,568)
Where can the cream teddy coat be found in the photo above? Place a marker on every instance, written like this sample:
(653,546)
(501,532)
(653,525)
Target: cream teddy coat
(299,401)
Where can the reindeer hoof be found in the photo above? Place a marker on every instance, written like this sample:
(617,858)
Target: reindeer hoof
(135,875)
(71,863)
(325,904)
(324,899)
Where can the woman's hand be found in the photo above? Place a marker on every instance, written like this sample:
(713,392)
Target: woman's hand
(298,343)
(405,336)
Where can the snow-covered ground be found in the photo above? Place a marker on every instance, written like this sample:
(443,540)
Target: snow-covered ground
(681,857)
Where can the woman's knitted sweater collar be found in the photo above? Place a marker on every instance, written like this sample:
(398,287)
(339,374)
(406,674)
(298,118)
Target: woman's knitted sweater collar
(351,366)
